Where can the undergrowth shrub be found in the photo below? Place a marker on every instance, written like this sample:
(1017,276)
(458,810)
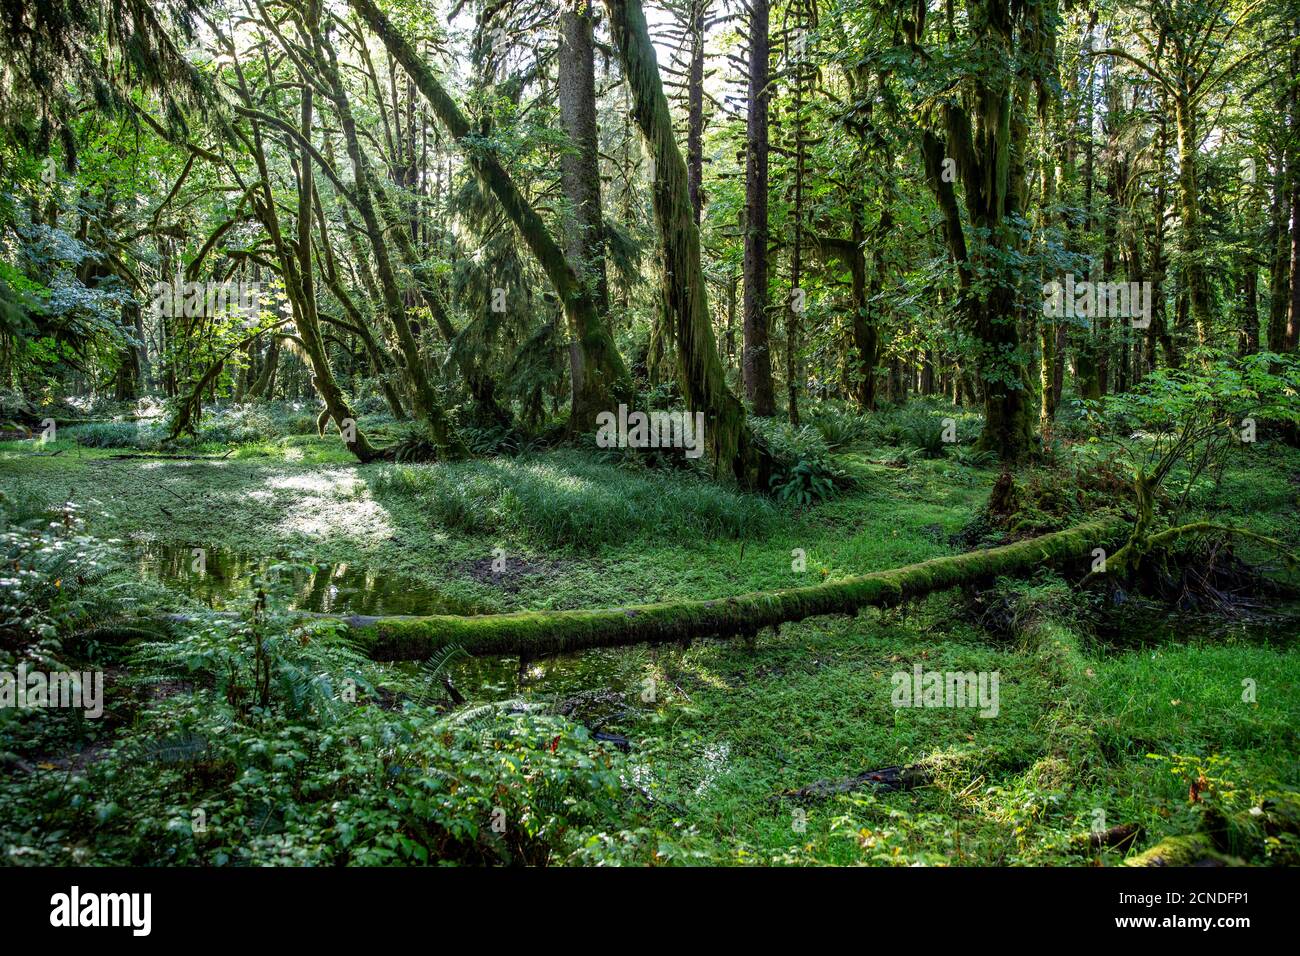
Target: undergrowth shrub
(805,472)
(262,739)
(49,569)
(141,436)
(415,443)
(839,426)
(223,425)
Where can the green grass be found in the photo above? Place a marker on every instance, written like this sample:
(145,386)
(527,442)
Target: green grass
(566,500)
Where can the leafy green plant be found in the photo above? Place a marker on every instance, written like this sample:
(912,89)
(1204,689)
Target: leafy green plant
(804,473)
(969,457)
(48,563)
(805,482)
(1179,425)
(839,428)
(927,434)
(415,444)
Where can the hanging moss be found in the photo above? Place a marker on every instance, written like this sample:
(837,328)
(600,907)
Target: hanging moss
(605,376)
(534,634)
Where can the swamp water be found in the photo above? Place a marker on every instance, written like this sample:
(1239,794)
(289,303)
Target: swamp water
(223,579)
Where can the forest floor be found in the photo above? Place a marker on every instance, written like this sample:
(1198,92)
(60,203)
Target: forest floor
(719,730)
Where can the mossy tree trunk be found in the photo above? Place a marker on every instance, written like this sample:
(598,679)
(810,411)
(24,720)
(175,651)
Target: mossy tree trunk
(695,105)
(480,383)
(756,357)
(584,230)
(604,375)
(1189,206)
(730,441)
(863,328)
(294,256)
(981,143)
(381,359)
(422,395)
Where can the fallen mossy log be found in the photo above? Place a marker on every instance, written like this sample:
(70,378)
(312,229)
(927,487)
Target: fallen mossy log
(1193,849)
(1229,841)
(1118,837)
(533,634)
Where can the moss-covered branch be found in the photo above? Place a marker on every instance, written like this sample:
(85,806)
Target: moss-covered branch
(732,444)
(534,634)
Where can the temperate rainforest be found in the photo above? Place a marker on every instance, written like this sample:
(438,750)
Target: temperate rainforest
(767,433)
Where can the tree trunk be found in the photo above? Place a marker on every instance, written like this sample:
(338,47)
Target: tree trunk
(1293,169)
(604,373)
(265,383)
(296,269)
(1198,289)
(480,384)
(422,395)
(580,176)
(1279,285)
(1249,334)
(1159,330)
(756,360)
(731,444)
(695,107)
(1293,309)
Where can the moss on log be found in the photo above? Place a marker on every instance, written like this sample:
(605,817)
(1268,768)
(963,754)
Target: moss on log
(533,634)
(1232,841)
(1194,849)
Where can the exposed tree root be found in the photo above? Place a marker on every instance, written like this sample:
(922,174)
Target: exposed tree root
(535,634)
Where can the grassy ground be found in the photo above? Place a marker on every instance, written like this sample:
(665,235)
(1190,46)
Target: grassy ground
(1086,732)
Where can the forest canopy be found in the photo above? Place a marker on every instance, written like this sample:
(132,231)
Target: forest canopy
(480,219)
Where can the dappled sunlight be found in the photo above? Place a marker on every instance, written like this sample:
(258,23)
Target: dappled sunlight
(329,482)
(361,520)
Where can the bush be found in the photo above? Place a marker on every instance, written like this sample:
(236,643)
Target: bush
(838,426)
(926,432)
(498,440)
(804,472)
(224,425)
(273,727)
(47,560)
(415,443)
(141,436)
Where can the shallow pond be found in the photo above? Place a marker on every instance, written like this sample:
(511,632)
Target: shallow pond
(223,578)
(220,577)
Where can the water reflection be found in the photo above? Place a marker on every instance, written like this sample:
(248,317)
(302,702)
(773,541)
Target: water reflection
(219,577)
